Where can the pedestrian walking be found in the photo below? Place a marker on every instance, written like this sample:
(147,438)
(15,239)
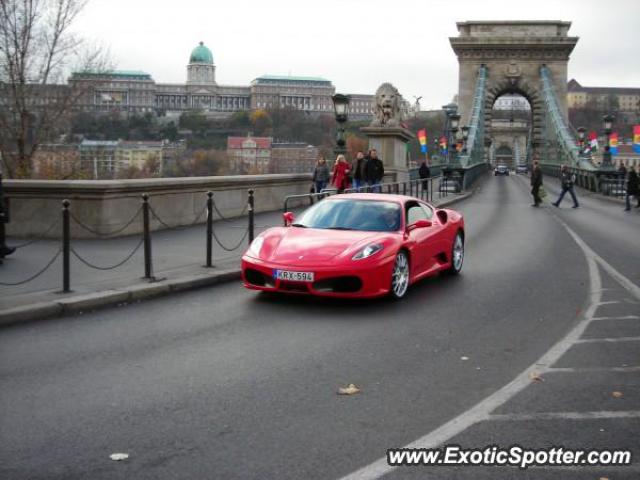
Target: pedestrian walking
(374,171)
(536,183)
(358,171)
(341,171)
(567,180)
(321,175)
(633,188)
(424,174)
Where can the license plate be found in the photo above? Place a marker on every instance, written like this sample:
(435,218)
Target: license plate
(293,276)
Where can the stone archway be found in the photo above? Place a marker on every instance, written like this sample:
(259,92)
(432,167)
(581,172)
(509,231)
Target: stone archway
(513,53)
(504,155)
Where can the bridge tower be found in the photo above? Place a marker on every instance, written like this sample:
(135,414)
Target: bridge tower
(516,55)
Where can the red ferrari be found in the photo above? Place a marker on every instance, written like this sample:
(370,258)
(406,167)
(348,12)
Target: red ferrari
(356,245)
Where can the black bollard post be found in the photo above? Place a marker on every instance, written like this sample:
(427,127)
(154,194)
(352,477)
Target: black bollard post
(209,229)
(66,247)
(251,214)
(148,265)
(404,188)
(4,218)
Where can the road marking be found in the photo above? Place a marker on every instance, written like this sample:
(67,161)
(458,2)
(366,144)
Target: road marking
(481,411)
(609,339)
(626,317)
(592,369)
(565,415)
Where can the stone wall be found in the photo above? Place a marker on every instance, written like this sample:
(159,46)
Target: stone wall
(107,205)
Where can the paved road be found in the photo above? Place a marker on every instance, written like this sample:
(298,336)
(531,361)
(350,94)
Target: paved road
(226,383)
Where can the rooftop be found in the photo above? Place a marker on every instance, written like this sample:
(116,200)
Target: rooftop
(574,86)
(289,78)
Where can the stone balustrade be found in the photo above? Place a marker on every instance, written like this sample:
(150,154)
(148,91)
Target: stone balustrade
(107,205)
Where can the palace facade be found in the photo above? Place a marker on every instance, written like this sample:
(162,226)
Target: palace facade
(137,92)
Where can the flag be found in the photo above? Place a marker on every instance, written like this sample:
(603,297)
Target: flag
(422,138)
(443,144)
(636,138)
(613,143)
(593,142)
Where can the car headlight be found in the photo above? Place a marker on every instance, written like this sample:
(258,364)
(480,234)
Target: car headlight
(256,245)
(367,251)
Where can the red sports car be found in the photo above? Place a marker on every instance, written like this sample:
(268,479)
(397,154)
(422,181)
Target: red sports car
(356,245)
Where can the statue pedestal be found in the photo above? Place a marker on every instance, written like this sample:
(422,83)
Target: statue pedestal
(391,144)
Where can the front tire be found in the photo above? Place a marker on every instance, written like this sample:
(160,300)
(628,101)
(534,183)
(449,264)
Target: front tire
(457,254)
(400,276)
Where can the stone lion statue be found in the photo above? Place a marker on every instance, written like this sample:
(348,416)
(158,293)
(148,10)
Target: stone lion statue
(387,106)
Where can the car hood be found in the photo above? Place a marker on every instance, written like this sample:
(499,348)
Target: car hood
(310,246)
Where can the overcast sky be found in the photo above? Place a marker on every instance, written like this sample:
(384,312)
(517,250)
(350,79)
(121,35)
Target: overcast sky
(357,44)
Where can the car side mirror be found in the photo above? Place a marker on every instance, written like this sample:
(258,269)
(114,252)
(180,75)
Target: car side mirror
(288,218)
(419,224)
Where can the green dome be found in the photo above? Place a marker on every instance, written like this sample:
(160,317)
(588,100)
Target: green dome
(201,54)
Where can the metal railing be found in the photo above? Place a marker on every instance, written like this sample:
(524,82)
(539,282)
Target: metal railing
(425,188)
(67,250)
(613,184)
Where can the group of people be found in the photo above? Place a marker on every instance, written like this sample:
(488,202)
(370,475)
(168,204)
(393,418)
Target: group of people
(567,179)
(366,171)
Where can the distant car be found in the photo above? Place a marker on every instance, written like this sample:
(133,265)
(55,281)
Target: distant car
(522,169)
(356,245)
(501,169)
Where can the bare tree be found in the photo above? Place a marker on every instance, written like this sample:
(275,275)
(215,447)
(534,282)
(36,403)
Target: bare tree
(37,51)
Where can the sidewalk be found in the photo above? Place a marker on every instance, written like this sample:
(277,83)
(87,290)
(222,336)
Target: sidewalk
(178,264)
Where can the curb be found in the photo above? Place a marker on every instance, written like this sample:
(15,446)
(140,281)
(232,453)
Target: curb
(113,297)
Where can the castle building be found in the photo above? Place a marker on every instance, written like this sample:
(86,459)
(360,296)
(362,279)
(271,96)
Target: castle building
(137,92)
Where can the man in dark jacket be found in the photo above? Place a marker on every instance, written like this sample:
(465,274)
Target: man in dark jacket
(374,171)
(424,173)
(633,188)
(536,183)
(566,179)
(358,171)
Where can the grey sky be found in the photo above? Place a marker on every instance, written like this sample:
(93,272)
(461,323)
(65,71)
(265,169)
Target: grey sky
(402,41)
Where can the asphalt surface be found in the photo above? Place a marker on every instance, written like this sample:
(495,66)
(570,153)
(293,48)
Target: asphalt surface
(227,383)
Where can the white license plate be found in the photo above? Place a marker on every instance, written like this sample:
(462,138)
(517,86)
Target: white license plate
(293,276)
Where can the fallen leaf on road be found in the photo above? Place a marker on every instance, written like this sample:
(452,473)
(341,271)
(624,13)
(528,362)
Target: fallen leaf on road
(464,358)
(350,389)
(616,394)
(119,456)
(604,478)
(535,377)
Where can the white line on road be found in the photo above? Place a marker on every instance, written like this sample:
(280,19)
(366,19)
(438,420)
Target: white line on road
(481,411)
(626,317)
(592,369)
(609,339)
(565,415)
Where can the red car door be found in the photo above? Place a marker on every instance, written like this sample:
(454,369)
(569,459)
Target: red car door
(425,245)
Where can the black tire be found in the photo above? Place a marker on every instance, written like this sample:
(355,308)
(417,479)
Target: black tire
(400,276)
(457,254)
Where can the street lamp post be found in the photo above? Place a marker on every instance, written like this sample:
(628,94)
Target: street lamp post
(341,108)
(465,136)
(607,123)
(454,123)
(581,138)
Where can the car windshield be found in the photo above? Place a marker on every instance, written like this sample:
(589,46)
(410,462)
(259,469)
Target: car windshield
(344,214)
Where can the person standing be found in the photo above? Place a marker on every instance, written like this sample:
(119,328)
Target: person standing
(566,179)
(341,171)
(536,183)
(374,171)
(358,171)
(321,175)
(424,174)
(633,188)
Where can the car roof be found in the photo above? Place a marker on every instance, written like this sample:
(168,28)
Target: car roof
(377,197)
